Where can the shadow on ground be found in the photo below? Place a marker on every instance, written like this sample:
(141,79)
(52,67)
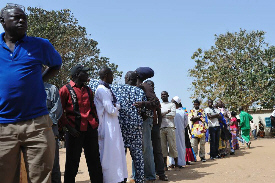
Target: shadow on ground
(192,172)
(189,172)
(241,152)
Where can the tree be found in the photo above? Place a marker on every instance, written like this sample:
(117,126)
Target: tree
(70,40)
(238,69)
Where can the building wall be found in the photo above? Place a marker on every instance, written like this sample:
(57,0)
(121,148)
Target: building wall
(260,115)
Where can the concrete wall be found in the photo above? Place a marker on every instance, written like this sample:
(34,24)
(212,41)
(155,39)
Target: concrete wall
(259,115)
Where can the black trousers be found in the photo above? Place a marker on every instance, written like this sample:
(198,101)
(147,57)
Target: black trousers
(56,174)
(158,157)
(89,142)
(214,141)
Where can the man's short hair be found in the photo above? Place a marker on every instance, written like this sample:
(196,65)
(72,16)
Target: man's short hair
(241,108)
(131,75)
(102,73)
(10,6)
(233,113)
(196,101)
(150,82)
(77,68)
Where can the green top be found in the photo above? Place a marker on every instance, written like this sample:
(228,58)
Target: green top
(245,119)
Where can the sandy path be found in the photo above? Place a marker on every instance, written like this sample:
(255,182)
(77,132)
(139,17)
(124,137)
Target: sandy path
(247,165)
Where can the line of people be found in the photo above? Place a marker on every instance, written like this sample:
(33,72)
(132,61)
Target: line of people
(131,116)
(115,117)
(102,118)
(214,124)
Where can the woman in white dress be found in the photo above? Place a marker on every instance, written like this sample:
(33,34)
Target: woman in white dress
(111,146)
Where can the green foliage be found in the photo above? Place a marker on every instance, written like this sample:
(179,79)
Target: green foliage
(238,69)
(70,40)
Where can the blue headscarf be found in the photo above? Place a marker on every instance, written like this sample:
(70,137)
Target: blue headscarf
(144,72)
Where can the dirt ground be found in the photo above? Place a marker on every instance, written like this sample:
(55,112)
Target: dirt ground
(247,165)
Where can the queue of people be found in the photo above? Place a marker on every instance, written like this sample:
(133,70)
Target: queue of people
(102,118)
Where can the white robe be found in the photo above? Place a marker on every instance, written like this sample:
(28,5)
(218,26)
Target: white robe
(111,146)
(181,122)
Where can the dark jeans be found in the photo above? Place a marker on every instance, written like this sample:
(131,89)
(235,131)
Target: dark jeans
(158,157)
(254,132)
(89,142)
(56,175)
(214,141)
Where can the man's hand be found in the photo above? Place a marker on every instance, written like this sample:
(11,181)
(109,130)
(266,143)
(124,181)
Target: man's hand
(138,104)
(194,119)
(49,73)
(73,131)
(61,135)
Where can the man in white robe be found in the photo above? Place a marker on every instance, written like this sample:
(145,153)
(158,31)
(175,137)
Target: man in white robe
(181,122)
(111,146)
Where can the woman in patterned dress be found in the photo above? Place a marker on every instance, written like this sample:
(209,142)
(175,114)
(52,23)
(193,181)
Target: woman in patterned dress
(234,130)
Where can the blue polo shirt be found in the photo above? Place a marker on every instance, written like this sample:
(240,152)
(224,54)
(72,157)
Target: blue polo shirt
(22,93)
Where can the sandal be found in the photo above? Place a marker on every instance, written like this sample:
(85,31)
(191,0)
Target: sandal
(172,166)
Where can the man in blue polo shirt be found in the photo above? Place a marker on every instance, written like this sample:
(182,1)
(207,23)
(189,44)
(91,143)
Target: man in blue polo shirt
(24,121)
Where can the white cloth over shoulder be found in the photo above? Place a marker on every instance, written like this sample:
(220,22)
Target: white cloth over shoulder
(181,122)
(168,117)
(111,146)
(213,111)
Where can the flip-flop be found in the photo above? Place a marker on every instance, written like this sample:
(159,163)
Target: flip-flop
(172,166)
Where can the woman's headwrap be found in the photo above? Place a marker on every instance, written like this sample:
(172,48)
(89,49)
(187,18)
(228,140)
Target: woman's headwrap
(144,73)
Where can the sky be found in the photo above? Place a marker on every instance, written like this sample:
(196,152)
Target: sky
(162,34)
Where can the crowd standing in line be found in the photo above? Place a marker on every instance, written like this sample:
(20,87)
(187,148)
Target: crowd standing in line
(102,118)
